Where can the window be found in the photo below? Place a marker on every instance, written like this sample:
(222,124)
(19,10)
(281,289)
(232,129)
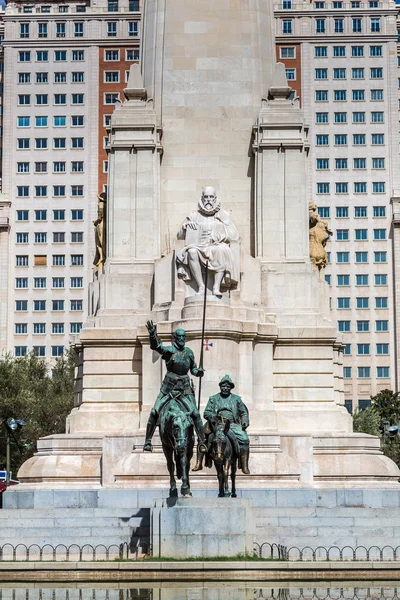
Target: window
(20,351)
(40,260)
(60,30)
(381,302)
(39,328)
(59,167)
(77,214)
(133,5)
(40,283)
(320,96)
(342,212)
(382,349)
(60,77)
(380,257)
(77,260)
(58,260)
(360,212)
(339,95)
(59,143)
(356,25)
(111,55)
(358,95)
(75,328)
(76,190)
(360,163)
(380,279)
(343,303)
(319,4)
(60,99)
(377,117)
(339,25)
(77,167)
(41,215)
(378,139)
(322,188)
(39,305)
(41,191)
(80,8)
(362,327)
(42,56)
(78,55)
(78,29)
(41,121)
(383,372)
(42,99)
(339,73)
(21,261)
(77,143)
(111,98)
(321,117)
(346,372)
(57,305)
(78,77)
(39,351)
(58,190)
(360,187)
(77,237)
(364,372)
(23,191)
(321,140)
(358,117)
(378,187)
(21,305)
(321,73)
(24,99)
(23,167)
(359,139)
(375,24)
(78,99)
(357,73)
(58,283)
(376,73)
(284,52)
(379,234)
(58,237)
(76,282)
(322,164)
(357,51)
(57,351)
(77,121)
(22,215)
(363,349)
(340,117)
(347,350)
(287,26)
(112,29)
(42,78)
(60,55)
(379,211)
(344,326)
(23,121)
(378,163)
(361,257)
(291,74)
(132,55)
(22,238)
(375,50)
(339,51)
(382,325)
(21,283)
(362,303)
(40,237)
(59,214)
(376,94)
(342,257)
(24,56)
(341,188)
(337,4)
(342,234)
(42,30)
(24,77)
(341,140)
(341,163)
(361,234)
(343,280)
(76,305)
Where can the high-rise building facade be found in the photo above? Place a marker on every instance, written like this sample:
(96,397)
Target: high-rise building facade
(65,66)
(341,60)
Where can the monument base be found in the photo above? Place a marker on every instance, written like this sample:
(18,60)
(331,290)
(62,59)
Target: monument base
(202,527)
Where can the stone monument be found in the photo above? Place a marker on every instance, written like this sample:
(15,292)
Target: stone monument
(209,115)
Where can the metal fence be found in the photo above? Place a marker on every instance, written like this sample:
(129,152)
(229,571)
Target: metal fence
(87,552)
(267,550)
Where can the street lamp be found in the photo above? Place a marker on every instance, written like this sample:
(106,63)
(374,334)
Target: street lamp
(11,425)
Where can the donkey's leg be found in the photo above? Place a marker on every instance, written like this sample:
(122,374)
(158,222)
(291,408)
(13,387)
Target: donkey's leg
(233,476)
(220,475)
(227,465)
(169,455)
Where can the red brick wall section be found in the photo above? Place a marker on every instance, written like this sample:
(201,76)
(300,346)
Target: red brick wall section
(292,63)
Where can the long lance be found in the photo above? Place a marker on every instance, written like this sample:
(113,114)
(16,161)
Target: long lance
(202,333)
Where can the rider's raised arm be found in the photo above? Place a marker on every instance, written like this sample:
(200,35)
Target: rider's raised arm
(156,344)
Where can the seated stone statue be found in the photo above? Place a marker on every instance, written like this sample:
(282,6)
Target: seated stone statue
(179,361)
(208,233)
(227,406)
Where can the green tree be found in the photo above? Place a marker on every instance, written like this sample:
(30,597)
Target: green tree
(383,412)
(40,395)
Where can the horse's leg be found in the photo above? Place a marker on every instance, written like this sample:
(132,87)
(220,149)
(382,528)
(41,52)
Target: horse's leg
(220,475)
(188,459)
(173,492)
(233,476)
(226,467)
(185,489)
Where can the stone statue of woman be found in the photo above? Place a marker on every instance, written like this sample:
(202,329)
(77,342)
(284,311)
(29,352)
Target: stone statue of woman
(100,229)
(319,235)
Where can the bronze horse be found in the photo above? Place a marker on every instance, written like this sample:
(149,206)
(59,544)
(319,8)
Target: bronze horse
(222,453)
(177,438)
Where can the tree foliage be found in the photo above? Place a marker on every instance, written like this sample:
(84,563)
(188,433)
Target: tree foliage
(383,412)
(41,395)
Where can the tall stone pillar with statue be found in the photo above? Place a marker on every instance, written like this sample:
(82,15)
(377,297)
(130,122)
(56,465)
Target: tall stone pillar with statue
(208,162)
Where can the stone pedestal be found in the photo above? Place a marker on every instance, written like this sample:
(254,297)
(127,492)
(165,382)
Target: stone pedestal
(202,527)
